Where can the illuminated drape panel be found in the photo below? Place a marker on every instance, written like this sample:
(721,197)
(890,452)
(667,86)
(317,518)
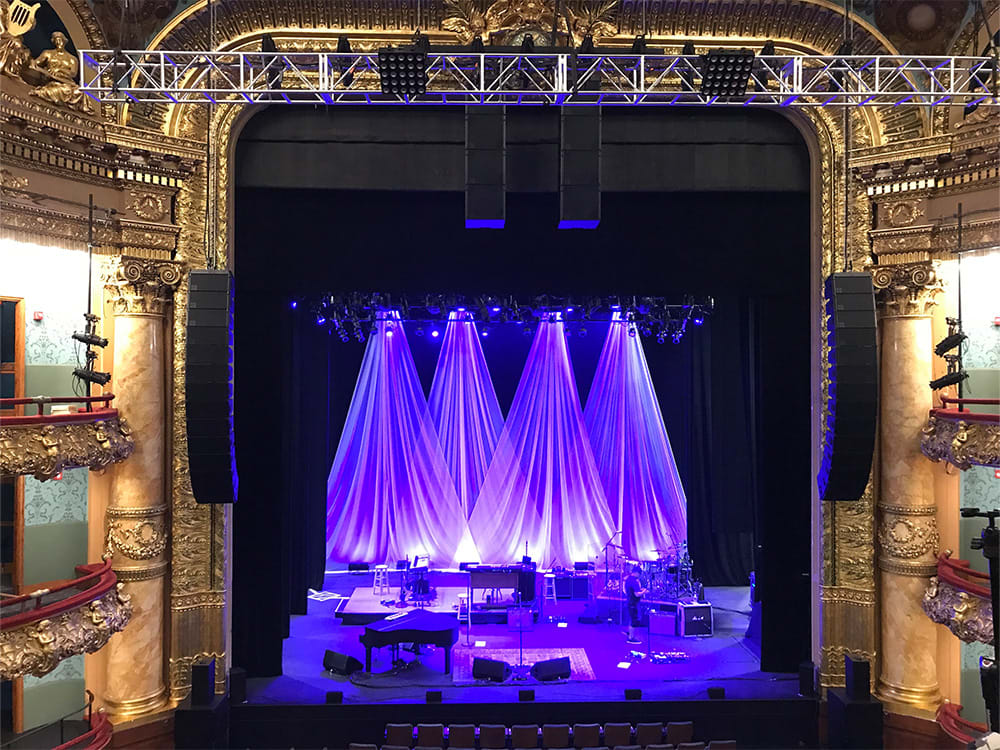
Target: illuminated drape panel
(632,450)
(542,486)
(390,494)
(464,408)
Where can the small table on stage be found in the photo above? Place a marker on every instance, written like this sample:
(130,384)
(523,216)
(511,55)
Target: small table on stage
(416,626)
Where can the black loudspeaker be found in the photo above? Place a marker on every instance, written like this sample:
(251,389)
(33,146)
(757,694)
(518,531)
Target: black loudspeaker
(209,387)
(526,584)
(203,682)
(716,693)
(338,663)
(807,679)
(525,695)
(551,669)
(853,723)
(580,167)
(485,167)
(633,694)
(237,685)
(490,669)
(857,682)
(334,697)
(433,696)
(852,399)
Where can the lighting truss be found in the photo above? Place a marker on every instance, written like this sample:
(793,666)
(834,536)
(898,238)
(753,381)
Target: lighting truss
(358,313)
(546,77)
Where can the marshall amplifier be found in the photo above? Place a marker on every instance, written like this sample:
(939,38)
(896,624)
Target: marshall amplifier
(694,618)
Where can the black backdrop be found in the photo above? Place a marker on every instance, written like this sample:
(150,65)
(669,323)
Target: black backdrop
(734,394)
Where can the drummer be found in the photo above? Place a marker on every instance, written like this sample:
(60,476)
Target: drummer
(634,592)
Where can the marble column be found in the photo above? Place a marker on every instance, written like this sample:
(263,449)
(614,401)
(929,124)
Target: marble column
(907,515)
(136,521)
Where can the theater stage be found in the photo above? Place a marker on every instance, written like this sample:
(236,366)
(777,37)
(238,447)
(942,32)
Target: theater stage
(603,664)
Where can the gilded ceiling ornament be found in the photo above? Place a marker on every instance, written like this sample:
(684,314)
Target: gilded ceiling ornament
(908,289)
(37,648)
(140,285)
(55,72)
(45,450)
(464,19)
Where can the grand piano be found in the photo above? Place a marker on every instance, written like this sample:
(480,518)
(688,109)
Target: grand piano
(418,626)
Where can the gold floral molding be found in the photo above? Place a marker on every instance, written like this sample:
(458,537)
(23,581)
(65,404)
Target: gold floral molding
(37,648)
(906,289)
(136,533)
(44,450)
(908,533)
(141,286)
(961,443)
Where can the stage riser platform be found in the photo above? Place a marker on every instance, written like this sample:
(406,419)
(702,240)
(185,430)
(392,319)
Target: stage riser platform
(753,723)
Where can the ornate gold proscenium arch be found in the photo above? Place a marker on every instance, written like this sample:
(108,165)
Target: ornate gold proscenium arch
(844,573)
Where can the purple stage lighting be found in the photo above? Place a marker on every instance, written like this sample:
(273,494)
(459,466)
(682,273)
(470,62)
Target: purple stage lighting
(542,486)
(320,320)
(495,309)
(632,450)
(435,333)
(698,320)
(294,304)
(484,334)
(464,408)
(390,494)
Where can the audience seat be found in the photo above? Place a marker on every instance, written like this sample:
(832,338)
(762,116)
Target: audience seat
(586,735)
(428,747)
(524,736)
(648,733)
(691,746)
(660,746)
(395,747)
(680,731)
(359,746)
(555,736)
(430,735)
(462,735)
(400,735)
(628,747)
(492,736)
(720,744)
(617,734)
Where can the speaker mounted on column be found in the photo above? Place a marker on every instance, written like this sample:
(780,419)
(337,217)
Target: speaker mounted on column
(209,387)
(852,398)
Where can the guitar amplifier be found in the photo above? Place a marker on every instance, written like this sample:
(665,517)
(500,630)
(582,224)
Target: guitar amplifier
(694,618)
(662,623)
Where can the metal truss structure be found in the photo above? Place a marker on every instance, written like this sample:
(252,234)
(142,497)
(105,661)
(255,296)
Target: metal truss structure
(520,77)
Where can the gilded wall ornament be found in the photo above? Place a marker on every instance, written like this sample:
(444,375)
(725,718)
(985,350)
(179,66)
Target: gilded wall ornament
(136,533)
(44,450)
(968,617)
(37,648)
(903,213)
(15,21)
(148,206)
(908,289)
(908,537)
(961,443)
(139,285)
(54,73)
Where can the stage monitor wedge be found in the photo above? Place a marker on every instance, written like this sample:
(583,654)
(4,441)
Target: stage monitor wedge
(209,387)
(551,669)
(852,398)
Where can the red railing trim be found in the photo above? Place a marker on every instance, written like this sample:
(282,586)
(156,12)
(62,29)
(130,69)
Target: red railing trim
(953,572)
(980,401)
(100,734)
(106,580)
(24,401)
(950,719)
(965,416)
(74,418)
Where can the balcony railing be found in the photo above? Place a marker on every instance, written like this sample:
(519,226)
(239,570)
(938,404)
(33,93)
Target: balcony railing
(62,619)
(959,598)
(966,435)
(44,445)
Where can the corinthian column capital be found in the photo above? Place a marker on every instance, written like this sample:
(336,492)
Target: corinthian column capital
(141,285)
(906,289)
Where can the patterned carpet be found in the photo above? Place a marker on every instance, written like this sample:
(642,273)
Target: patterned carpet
(462,660)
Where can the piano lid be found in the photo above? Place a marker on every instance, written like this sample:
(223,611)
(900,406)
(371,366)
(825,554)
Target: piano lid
(416,619)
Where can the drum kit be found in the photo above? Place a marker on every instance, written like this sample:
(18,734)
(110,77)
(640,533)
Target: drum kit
(668,577)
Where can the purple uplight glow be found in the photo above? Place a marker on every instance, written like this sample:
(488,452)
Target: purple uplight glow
(435,333)
(294,304)
(632,450)
(542,486)
(390,493)
(464,408)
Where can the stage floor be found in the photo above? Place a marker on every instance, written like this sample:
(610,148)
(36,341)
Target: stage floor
(603,664)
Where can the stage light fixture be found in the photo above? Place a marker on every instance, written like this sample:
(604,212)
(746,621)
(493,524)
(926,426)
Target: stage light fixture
(639,45)
(435,333)
(949,342)
(586,46)
(92,376)
(688,48)
(582,333)
(484,333)
(275,66)
(726,72)
(294,304)
(344,65)
(402,72)
(419,331)
(768,49)
(698,319)
(952,378)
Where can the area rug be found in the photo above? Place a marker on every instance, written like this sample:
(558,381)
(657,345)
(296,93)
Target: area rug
(461,660)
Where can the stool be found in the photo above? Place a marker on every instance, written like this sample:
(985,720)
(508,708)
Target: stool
(381,584)
(550,588)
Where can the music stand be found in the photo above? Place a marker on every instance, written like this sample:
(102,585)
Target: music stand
(519,618)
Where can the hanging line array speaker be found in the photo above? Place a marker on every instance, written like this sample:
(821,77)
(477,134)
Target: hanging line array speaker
(209,387)
(852,398)
(485,167)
